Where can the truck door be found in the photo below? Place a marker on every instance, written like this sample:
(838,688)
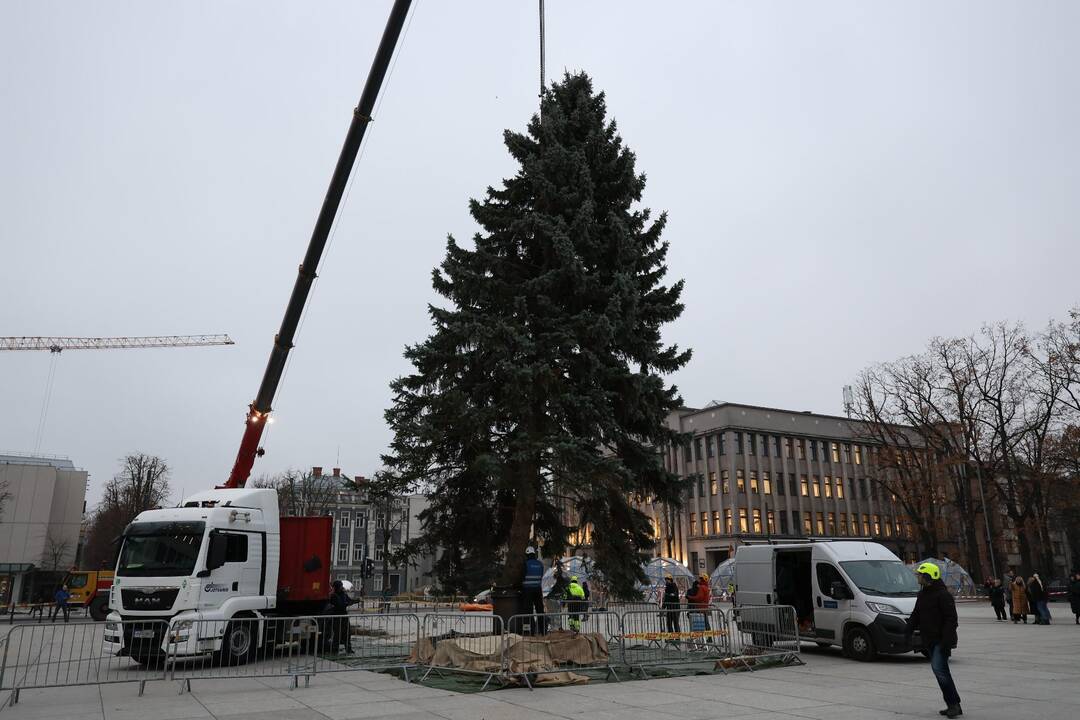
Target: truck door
(832,603)
(242,573)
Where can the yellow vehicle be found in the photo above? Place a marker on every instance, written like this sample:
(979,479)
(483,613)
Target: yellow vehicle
(90,589)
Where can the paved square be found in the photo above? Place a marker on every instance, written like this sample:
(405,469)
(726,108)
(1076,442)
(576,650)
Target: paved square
(1003,671)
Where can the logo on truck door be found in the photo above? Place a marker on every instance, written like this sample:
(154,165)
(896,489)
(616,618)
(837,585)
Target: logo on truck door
(215,587)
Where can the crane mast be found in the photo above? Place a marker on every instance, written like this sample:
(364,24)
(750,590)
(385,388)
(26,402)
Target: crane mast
(283,341)
(59,344)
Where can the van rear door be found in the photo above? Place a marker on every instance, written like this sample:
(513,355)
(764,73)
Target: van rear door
(754,578)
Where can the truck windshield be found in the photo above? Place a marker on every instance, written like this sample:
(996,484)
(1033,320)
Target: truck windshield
(76,580)
(882,577)
(160,549)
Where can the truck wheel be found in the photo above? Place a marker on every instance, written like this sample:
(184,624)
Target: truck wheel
(99,609)
(859,645)
(238,643)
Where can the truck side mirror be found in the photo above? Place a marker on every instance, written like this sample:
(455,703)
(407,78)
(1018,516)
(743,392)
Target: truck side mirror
(839,591)
(215,553)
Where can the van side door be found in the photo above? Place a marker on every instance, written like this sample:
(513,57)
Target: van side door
(832,601)
(754,581)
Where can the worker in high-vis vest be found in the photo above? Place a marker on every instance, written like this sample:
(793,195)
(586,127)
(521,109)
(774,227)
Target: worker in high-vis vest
(532,592)
(575,595)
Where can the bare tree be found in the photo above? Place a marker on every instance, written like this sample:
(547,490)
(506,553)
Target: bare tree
(303,494)
(141,484)
(58,553)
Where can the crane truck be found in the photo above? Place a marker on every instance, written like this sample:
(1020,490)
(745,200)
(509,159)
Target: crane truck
(225,559)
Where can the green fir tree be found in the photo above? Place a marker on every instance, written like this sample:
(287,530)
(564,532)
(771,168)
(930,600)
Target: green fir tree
(541,387)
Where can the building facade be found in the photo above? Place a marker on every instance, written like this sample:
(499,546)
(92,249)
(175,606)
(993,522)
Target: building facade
(764,473)
(42,513)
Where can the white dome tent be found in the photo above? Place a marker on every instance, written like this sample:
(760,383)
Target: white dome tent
(721,577)
(656,569)
(955,577)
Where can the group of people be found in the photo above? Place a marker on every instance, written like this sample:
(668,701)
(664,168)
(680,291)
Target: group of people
(698,597)
(571,594)
(1029,597)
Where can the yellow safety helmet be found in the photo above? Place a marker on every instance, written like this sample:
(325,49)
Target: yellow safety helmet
(573,578)
(929,568)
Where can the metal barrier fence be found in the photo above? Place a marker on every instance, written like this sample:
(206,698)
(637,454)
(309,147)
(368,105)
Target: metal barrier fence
(41,656)
(481,635)
(657,638)
(566,641)
(366,642)
(764,632)
(242,648)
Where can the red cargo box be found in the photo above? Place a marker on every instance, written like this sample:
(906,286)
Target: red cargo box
(304,572)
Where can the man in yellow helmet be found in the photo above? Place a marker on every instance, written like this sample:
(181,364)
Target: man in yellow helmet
(934,617)
(575,596)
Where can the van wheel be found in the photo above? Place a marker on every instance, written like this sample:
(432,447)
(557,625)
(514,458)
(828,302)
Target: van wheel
(99,609)
(238,643)
(859,645)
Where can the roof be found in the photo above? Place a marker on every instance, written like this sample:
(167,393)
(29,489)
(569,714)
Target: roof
(60,462)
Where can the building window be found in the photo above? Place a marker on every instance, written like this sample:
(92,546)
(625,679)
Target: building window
(738,443)
(854,524)
(787,447)
(840,488)
(687,453)
(764,446)
(792,486)
(723,450)
(693,560)
(817,486)
(358,553)
(847,452)
(726,478)
(783,523)
(716,522)
(843,524)
(820,523)
(832,523)
(700,487)
(813,449)
(877,525)
(753,443)
(753,481)
(712,482)
(770,519)
(804,485)
(743,527)
(888,526)
(727,521)
(828,486)
(757,521)
(780,488)
(710,445)
(862,488)
(698,454)
(776,446)
(835,452)
(343,553)
(360,519)
(766,483)
(858,455)
(343,519)
(704,523)
(807,524)
(693,524)
(740,481)
(866,524)
(380,520)
(794,521)
(378,583)
(378,554)
(801,449)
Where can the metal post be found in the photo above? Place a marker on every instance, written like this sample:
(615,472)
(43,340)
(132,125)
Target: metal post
(986,520)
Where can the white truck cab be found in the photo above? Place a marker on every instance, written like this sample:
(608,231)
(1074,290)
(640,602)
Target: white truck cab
(853,594)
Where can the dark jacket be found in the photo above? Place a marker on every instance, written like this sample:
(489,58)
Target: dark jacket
(1036,592)
(997,596)
(1074,596)
(934,615)
(671,596)
(340,602)
(534,574)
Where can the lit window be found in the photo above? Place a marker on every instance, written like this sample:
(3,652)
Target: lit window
(704,523)
(828,486)
(766,484)
(716,522)
(835,452)
(753,481)
(727,522)
(866,524)
(858,455)
(805,486)
(840,488)
(740,481)
(693,524)
(847,452)
(743,527)
(712,482)
(771,520)
(877,524)
(832,523)
(817,486)
(820,524)
(843,524)
(808,524)
(802,449)
(757,521)
(787,447)
(726,481)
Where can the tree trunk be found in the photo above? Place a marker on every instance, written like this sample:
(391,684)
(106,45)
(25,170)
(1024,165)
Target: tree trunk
(520,527)
(1024,546)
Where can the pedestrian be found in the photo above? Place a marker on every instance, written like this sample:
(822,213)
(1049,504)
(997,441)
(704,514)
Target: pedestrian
(731,593)
(555,596)
(935,618)
(671,605)
(60,598)
(575,603)
(532,592)
(339,607)
(1037,597)
(1074,596)
(1019,600)
(997,599)
(698,598)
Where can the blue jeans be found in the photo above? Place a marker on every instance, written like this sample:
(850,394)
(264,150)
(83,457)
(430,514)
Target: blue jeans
(939,663)
(1042,610)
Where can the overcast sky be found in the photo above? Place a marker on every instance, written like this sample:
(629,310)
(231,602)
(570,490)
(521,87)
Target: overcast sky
(844,180)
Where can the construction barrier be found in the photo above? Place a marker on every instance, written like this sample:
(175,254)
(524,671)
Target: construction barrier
(540,645)
(762,634)
(468,644)
(659,638)
(67,654)
(366,642)
(242,648)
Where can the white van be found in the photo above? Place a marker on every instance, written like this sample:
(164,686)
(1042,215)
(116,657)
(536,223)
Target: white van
(853,594)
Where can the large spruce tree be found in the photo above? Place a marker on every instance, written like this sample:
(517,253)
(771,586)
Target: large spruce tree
(541,389)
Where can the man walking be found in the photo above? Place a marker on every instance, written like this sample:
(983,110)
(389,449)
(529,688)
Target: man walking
(997,599)
(61,598)
(934,617)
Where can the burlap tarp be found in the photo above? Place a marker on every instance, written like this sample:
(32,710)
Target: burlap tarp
(542,654)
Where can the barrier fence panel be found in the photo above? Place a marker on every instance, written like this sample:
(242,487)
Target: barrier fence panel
(464,643)
(540,644)
(656,638)
(366,642)
(765,633)
(65,654)
(242,647)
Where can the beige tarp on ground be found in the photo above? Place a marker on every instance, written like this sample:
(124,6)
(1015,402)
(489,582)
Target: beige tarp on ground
(525,654)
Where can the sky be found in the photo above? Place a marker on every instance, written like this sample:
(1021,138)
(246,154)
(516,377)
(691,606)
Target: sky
(844,181)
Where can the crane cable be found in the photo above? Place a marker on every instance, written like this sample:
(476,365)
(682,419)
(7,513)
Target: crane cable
(49,384)
(345,200)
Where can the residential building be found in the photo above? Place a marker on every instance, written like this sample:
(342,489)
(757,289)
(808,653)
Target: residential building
(45,499)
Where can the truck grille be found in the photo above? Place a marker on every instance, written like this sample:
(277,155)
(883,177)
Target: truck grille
(148,598)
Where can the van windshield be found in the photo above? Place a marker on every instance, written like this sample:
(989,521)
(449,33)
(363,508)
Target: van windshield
(160,549)
(882,577)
